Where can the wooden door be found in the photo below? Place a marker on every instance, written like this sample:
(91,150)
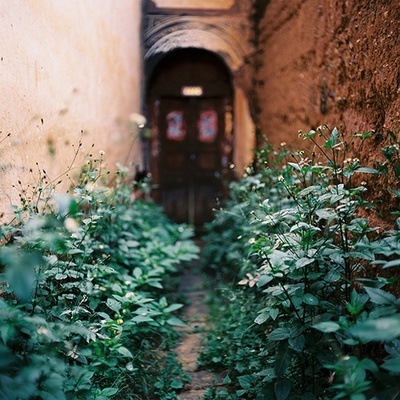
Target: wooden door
(190,178)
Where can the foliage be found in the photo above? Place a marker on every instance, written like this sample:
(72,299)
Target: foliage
(316,314)
(86,310)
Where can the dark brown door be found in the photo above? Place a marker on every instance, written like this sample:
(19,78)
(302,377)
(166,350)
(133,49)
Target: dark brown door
(190,180)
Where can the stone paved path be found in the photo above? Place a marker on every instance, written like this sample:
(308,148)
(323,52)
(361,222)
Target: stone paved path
(196,315)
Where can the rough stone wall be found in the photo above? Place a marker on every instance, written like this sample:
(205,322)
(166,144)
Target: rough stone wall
(327,61)
(334,62)
(70,71)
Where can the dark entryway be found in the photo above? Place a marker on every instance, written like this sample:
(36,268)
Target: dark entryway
(190,111)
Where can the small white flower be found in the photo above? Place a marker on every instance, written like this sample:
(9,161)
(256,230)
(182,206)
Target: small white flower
(43,331)
(251,280)
(71,225)
(138,119)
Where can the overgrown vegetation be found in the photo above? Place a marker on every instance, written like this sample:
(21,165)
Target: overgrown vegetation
(87,280)
(306,306)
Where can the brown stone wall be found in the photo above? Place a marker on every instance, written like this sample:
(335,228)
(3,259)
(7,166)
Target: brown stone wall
(334,62)
(327,61)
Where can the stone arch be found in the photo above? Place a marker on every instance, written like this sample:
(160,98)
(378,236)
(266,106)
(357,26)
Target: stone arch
(214,34)
(226,37)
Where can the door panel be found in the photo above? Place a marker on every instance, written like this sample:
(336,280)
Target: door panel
(191,131)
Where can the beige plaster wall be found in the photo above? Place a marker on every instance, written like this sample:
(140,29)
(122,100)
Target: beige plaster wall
(244,137)
(70,71)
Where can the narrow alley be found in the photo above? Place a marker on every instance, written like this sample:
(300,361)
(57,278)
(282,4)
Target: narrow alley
(195,314)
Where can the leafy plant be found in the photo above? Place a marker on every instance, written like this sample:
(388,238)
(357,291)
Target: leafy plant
(312,275)
(86,309)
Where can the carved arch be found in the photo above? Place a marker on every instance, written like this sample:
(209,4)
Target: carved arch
(220,36)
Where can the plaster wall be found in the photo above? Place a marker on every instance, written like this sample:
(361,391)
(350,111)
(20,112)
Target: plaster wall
(244,138)
(70,72)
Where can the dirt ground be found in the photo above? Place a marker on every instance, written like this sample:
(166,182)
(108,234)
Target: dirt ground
(195,314)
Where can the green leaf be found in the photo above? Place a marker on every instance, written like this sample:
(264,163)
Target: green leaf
(334,135)
(125,352)
(155,283)
(6,331)
(308,190)
(326,213)
(295,166)
(327,327)
(246,381)
(392,365)
(114,305)
(74,251)
(227,380)
(20,270)
(274,312)
(142,318)
(302,262)
(263,280)
(357,302)
(357,396)
(173,307)
(379,330)
(137,272)
(175,321)
(297,343)
(132,243)
(104,315)
(393,263)
(282,388)
(310,299)
(261,318)
(176,384)
(279,334)
(366,170)
(332,276)
(283,359)
(107,392)
(380,296)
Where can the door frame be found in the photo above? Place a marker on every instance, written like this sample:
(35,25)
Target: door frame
(160,89)
(192,165)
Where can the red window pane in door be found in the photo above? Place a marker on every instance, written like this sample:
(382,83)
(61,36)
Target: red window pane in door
(176,127)
(207,126)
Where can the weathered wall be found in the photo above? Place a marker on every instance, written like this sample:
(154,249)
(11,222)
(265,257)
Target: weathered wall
(327,61)
(66,67)
(332,62)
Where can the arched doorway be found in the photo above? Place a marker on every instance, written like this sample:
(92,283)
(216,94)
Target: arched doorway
(189,104)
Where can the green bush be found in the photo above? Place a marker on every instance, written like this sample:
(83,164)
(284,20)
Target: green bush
(86,307)
(316,313)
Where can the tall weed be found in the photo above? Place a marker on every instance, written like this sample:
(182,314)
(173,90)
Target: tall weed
(86,310)
(313,270)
